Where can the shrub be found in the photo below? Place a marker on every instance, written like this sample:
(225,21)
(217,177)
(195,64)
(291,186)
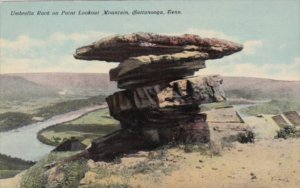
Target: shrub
(247,137)
(72,172)
(286,131)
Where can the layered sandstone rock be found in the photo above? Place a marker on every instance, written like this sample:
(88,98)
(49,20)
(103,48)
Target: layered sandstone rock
(122,47)
(148,59)
(191,91)
(162,98)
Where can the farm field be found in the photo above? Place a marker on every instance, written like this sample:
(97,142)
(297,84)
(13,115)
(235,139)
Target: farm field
(93,125)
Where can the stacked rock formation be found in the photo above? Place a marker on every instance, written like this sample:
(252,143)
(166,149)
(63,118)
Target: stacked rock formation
(161,98)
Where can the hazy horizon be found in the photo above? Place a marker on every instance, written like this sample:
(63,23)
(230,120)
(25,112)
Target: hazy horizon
(114,81)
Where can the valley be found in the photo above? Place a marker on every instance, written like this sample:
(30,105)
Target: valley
(36,98)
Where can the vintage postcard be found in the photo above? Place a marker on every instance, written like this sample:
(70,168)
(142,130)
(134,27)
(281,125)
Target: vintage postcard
(147,94)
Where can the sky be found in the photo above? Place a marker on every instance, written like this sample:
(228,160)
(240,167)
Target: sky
(269,31)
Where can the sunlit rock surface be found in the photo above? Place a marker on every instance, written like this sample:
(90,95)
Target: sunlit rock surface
(160,103)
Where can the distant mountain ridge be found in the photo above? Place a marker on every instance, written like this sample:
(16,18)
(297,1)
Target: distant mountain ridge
(14,87)
(261,88)
(69,80)
(235,87)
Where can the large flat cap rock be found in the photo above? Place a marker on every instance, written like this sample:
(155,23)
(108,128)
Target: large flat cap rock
(121,47)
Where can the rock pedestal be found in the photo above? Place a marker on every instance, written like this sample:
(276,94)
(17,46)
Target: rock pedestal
(161,97)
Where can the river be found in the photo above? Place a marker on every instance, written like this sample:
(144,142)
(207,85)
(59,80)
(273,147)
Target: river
(23,143)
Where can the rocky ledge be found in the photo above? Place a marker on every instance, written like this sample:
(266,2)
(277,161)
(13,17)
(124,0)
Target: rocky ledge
(122,47)
(160,103)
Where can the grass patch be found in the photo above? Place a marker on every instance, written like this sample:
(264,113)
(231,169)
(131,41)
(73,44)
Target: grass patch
(66,175)
(10,166)
(215,148)
(211,148)
(114,185)
(287,131)
(9,173)
(158,163)
(29,106)
(97,117)
(68,106)
(13,120)
(91,126)
(273,107)
(210,106)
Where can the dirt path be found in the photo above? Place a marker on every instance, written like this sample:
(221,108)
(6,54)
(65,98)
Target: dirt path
(11,182)
(266,163)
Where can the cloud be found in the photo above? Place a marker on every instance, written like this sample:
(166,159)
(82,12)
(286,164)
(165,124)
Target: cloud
(251,46)
(28,54)
(21,44)
(24,43)
(282,46)
(206,33)
(13,65)
(89,36)
(282,71)
(210,34)
(54,54)
(297,61)
(84,66)
(53,64)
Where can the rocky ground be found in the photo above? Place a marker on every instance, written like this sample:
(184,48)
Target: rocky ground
(265,163)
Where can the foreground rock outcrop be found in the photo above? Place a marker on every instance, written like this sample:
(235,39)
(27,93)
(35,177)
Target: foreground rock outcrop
(160,103)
